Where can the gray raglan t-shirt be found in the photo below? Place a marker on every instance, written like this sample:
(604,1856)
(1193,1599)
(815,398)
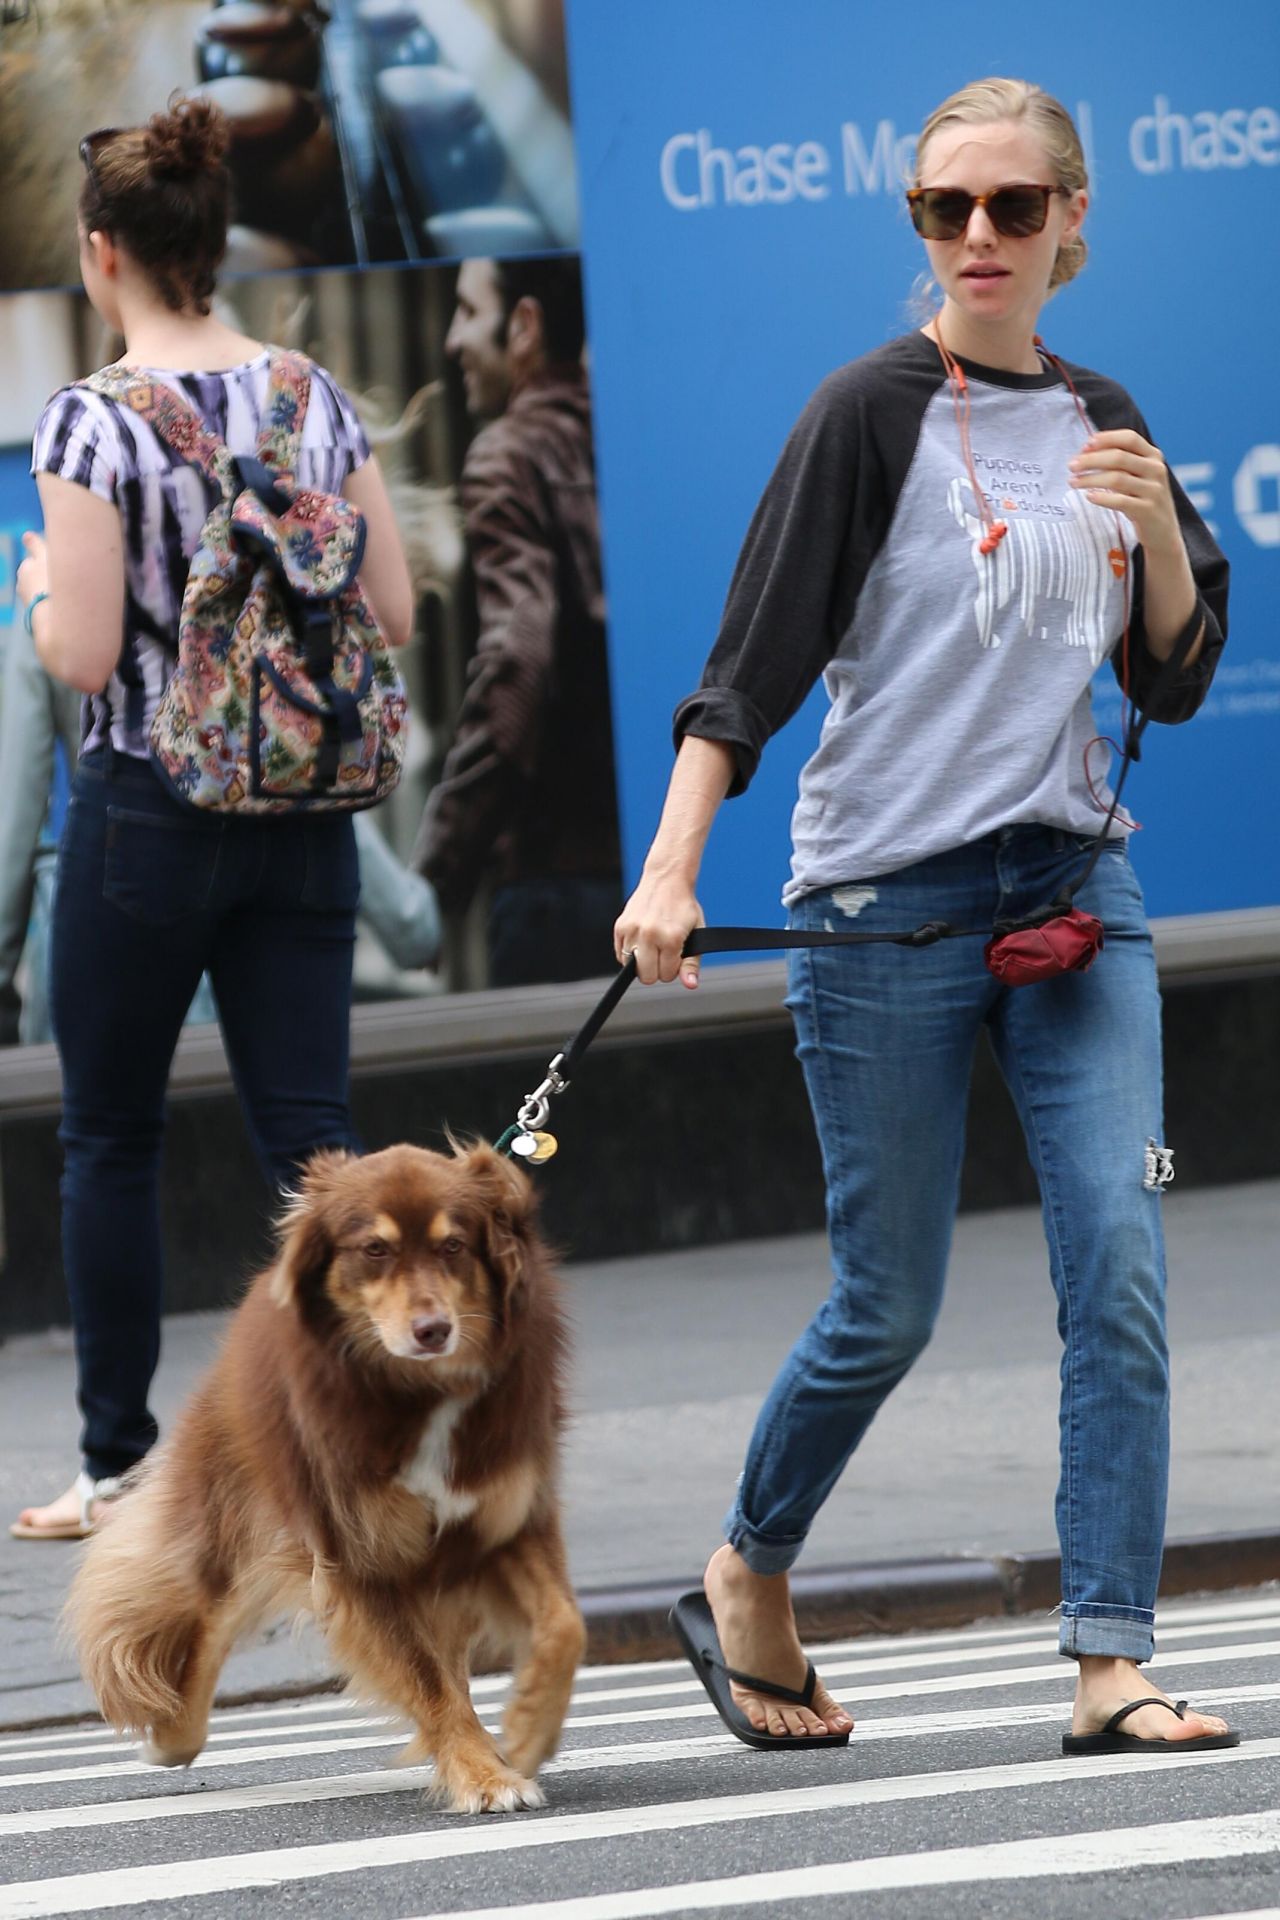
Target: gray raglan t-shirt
(959,681)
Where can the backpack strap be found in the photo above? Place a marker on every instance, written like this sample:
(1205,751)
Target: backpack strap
(288,393)
(175,421)
(180,427)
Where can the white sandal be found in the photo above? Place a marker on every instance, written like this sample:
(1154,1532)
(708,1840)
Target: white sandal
(88,1492)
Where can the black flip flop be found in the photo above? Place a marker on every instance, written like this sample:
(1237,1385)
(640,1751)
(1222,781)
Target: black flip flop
(1110,1741)
(696,1630)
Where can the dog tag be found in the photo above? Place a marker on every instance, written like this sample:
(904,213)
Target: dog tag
(544,1145)
(526,1145)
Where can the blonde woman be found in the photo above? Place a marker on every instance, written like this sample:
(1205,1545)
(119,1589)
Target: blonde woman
(950,539)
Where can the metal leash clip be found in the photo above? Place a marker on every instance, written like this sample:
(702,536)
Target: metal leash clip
(531,1141)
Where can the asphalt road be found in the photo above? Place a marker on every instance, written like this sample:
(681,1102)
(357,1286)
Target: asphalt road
(952,1800)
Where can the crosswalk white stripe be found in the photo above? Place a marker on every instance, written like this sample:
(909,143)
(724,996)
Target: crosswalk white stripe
(1118,1850)
(115,1743)
(1042,1636)
(1174,1622)
(354,1786)
(271,1867)
(837,1670)
(337,1786)
(877,1728)
(239,1757)
(976,1720)
(984,1681)
(1171,1614)
(325,1699)
(1185,1620)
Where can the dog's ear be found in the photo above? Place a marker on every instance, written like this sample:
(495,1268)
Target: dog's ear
(503,1196)
(304,1240)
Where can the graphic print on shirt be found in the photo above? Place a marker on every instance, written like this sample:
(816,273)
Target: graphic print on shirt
(1056,566)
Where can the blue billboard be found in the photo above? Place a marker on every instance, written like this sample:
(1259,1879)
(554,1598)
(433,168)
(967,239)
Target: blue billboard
(19,509)
(744,231)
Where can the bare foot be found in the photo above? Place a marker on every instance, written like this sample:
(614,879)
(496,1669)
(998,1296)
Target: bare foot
(61,1519)
(757,1632)
(1105,1686)
(58,1518)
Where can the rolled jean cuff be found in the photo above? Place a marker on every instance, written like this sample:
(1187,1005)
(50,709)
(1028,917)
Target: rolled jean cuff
(762,1555)
(1124,1633)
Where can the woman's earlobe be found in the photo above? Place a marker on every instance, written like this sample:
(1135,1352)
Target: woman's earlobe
(105,255)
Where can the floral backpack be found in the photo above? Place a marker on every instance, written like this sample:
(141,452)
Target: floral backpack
(284,696)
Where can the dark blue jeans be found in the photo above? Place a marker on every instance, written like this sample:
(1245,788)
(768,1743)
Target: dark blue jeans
(149,896)
(886,1037)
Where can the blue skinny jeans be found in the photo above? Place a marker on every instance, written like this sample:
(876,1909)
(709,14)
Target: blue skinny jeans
(886,1037)
(150,895)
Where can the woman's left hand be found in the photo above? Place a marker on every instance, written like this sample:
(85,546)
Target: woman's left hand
(32,576)
(1125,473)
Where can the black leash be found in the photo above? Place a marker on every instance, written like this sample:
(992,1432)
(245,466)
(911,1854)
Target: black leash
(528,1138)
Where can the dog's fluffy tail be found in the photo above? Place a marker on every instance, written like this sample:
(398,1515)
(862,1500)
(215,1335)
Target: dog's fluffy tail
(134,1611)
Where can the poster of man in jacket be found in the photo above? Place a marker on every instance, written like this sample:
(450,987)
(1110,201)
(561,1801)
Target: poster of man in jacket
(525,803)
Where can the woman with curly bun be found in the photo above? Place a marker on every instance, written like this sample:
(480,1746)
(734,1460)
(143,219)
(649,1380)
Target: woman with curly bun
(960,530)
(150,893)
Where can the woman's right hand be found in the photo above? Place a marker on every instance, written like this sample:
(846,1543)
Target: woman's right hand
(663,911)
(654,925)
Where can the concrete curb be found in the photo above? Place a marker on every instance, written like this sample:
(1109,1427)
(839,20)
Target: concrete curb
(906,1596)
(900,1596)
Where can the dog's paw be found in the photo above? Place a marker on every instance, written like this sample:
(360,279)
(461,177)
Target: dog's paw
(526,1756)
(157,1754)
(497,1790)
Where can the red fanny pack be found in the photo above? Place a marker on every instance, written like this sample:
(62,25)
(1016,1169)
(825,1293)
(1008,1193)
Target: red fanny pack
(1067,942)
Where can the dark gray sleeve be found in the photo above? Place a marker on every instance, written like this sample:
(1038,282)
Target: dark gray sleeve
(1109,407)
(807,551)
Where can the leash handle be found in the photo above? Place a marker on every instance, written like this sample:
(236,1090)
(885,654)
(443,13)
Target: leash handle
(533,1114)
(773,940)
(737,940)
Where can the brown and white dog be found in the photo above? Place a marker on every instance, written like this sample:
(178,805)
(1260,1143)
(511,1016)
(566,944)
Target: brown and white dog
(377,1444)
